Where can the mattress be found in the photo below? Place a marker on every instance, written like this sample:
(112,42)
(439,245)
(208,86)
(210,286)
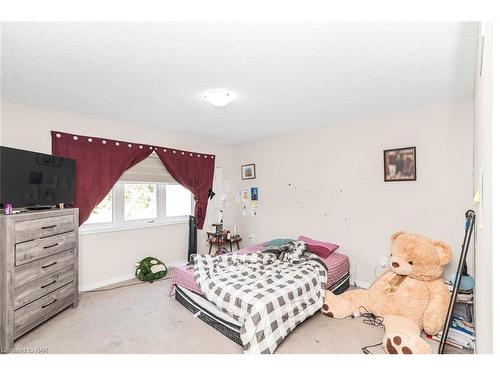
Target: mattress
(222,322)
(336,263)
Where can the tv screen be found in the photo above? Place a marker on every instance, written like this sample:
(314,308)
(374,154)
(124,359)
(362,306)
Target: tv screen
(30,179)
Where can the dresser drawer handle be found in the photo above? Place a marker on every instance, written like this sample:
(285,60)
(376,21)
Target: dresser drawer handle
(46,285)
(50,226)
(49,246)
(50,303)
(49,265)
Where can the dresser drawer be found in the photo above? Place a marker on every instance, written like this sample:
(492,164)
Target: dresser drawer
(45,285)
(42,247)
(40,310)
(31,229)
(39,268)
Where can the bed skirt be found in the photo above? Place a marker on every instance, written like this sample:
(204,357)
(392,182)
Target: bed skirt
(222,322)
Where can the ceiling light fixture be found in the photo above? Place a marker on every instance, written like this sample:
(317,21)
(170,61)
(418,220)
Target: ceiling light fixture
(219,97)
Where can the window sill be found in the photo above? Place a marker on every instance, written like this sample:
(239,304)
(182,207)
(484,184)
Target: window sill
(132,225)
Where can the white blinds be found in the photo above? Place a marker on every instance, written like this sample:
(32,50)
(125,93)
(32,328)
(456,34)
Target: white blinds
(150,169)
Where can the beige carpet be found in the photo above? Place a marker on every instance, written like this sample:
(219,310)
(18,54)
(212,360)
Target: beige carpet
(144,319)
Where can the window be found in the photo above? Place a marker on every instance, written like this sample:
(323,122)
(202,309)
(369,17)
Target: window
(146,195)
(103,213)
(178,201)
(140,201)
(140,204)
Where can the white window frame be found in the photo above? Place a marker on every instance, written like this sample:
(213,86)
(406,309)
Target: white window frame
(118,214)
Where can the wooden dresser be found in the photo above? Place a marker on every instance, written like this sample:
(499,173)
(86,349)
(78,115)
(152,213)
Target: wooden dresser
(38,269)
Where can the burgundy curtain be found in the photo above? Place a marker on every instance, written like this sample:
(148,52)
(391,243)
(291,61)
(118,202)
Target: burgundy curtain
(195,172)
(99,164)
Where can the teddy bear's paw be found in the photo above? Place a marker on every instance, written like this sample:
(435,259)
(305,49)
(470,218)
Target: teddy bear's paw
(394,345)
(327,310)
(339,309)
(402,344)
(432,327)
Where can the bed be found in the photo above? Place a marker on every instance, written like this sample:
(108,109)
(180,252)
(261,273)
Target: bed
(188,293)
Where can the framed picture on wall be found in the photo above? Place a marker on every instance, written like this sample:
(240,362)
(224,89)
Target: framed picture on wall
(400,164)
(248,172)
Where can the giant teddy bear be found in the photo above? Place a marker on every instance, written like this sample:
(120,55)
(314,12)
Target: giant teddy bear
(409,295)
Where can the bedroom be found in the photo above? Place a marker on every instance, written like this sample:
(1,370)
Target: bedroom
(321,142)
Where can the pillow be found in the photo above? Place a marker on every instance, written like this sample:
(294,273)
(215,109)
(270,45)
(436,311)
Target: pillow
(278,242)
(323,249)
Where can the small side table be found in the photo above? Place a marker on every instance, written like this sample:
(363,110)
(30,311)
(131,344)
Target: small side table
(236,240)
(221,241)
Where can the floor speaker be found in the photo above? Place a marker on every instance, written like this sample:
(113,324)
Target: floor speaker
(192,243)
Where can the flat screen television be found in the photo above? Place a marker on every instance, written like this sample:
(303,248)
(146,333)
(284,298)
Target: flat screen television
(35,180)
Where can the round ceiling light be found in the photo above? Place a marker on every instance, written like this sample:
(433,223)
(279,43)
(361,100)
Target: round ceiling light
(219,97)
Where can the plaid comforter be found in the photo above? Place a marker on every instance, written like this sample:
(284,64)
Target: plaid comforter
(267,293)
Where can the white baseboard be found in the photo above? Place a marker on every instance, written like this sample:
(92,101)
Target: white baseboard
(119,279)
(106,282)
(361,284)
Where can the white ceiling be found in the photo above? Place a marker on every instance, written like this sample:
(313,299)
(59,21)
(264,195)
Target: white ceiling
(287,76)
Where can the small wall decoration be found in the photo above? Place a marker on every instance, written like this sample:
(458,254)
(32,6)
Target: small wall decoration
(254,204)
(248,172)
(245,195)
(400,164)
(254,193)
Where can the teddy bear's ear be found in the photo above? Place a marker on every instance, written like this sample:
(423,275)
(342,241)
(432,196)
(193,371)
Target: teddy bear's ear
(444,252)
(396,234)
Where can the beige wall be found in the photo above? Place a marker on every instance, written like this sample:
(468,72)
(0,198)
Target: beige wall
(108,257)
(483,185)
(328,183)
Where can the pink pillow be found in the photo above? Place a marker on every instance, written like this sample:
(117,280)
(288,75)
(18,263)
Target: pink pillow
(323,249)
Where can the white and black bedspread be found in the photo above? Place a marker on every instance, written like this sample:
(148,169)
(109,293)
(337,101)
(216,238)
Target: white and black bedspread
(267,293)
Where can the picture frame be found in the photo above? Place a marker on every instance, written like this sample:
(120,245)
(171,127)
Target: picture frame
(248,172)
(400,164)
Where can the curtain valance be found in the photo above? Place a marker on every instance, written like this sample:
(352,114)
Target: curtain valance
(100,162)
